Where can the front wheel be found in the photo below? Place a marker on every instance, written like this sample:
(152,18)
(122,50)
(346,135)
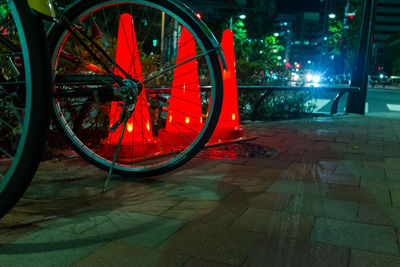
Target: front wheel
(24,90)
(150,68)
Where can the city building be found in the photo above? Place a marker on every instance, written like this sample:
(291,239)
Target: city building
(387,31)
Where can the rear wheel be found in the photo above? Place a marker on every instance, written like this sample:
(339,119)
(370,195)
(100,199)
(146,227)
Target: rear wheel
(159,67)
(23,99)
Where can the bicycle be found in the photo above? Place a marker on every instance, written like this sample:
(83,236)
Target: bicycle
(24,95)
(106,106)
(159,135)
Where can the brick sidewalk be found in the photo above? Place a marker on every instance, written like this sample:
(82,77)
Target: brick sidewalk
(330,196)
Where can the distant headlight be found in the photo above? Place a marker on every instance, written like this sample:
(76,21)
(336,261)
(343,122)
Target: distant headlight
(316,78)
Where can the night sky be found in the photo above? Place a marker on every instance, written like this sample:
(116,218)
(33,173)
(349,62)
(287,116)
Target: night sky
(294,6)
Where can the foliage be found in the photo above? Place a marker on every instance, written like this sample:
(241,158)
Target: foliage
(279,106)
(343,36)
(256,59)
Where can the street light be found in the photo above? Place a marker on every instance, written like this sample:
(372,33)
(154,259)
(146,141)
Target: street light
(276,34)
(332,15)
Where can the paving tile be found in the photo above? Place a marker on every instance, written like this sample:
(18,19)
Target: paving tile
(194,262)
(190,209)
(351,193)
(361,258)
(341,179)
(48,248)
(393,164)
(122,254)
(329,208)
(292,252)
(380,190)
(273,163)
(201,191)
(380,215)
(277,223)
(133,228)
(395,194)
(226,245)
(8,235)
(260,200)
(234,169)
(223,215)
(205,176)
(299,188)
(249,183)
(374,238)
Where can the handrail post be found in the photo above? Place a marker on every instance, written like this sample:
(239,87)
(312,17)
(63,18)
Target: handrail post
(359,76)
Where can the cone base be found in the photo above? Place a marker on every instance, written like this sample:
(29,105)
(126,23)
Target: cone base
(227,133)
(131,152)
(175,141)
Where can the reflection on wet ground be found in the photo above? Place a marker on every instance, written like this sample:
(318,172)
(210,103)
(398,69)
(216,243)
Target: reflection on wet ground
(327,194)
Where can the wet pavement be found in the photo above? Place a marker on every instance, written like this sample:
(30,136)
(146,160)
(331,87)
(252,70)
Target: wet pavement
(329,195)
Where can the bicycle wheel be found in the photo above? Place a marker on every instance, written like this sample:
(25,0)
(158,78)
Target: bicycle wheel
(23,96)
(156,52)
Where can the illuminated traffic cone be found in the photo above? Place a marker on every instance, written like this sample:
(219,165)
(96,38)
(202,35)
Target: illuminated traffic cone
(184,119)
(228,128)
(138,140)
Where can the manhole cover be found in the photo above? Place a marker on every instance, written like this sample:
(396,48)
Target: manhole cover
(236,151)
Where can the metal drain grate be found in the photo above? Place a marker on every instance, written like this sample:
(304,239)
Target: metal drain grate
(236,151)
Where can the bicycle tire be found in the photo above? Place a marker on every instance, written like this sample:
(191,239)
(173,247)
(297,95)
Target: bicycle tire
(86,14)
(29,95)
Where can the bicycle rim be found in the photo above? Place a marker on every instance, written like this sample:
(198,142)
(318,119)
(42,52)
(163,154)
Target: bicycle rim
(176,110)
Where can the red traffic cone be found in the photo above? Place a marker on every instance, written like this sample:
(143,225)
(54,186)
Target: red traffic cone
(138,140)
(228,128)
(184,119)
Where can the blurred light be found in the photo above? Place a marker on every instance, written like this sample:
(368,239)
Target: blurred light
(284,60)
(276,34)
(381,76)
(316,78)
(155,42)
(242,16)
(379,68)
(309,77)
(279,57)
(275,50)
(198,15)
(332,16)
(309,62)
(295,76)
(297,66)
(325,38)
(261,51)
(129,127)
(187,120)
